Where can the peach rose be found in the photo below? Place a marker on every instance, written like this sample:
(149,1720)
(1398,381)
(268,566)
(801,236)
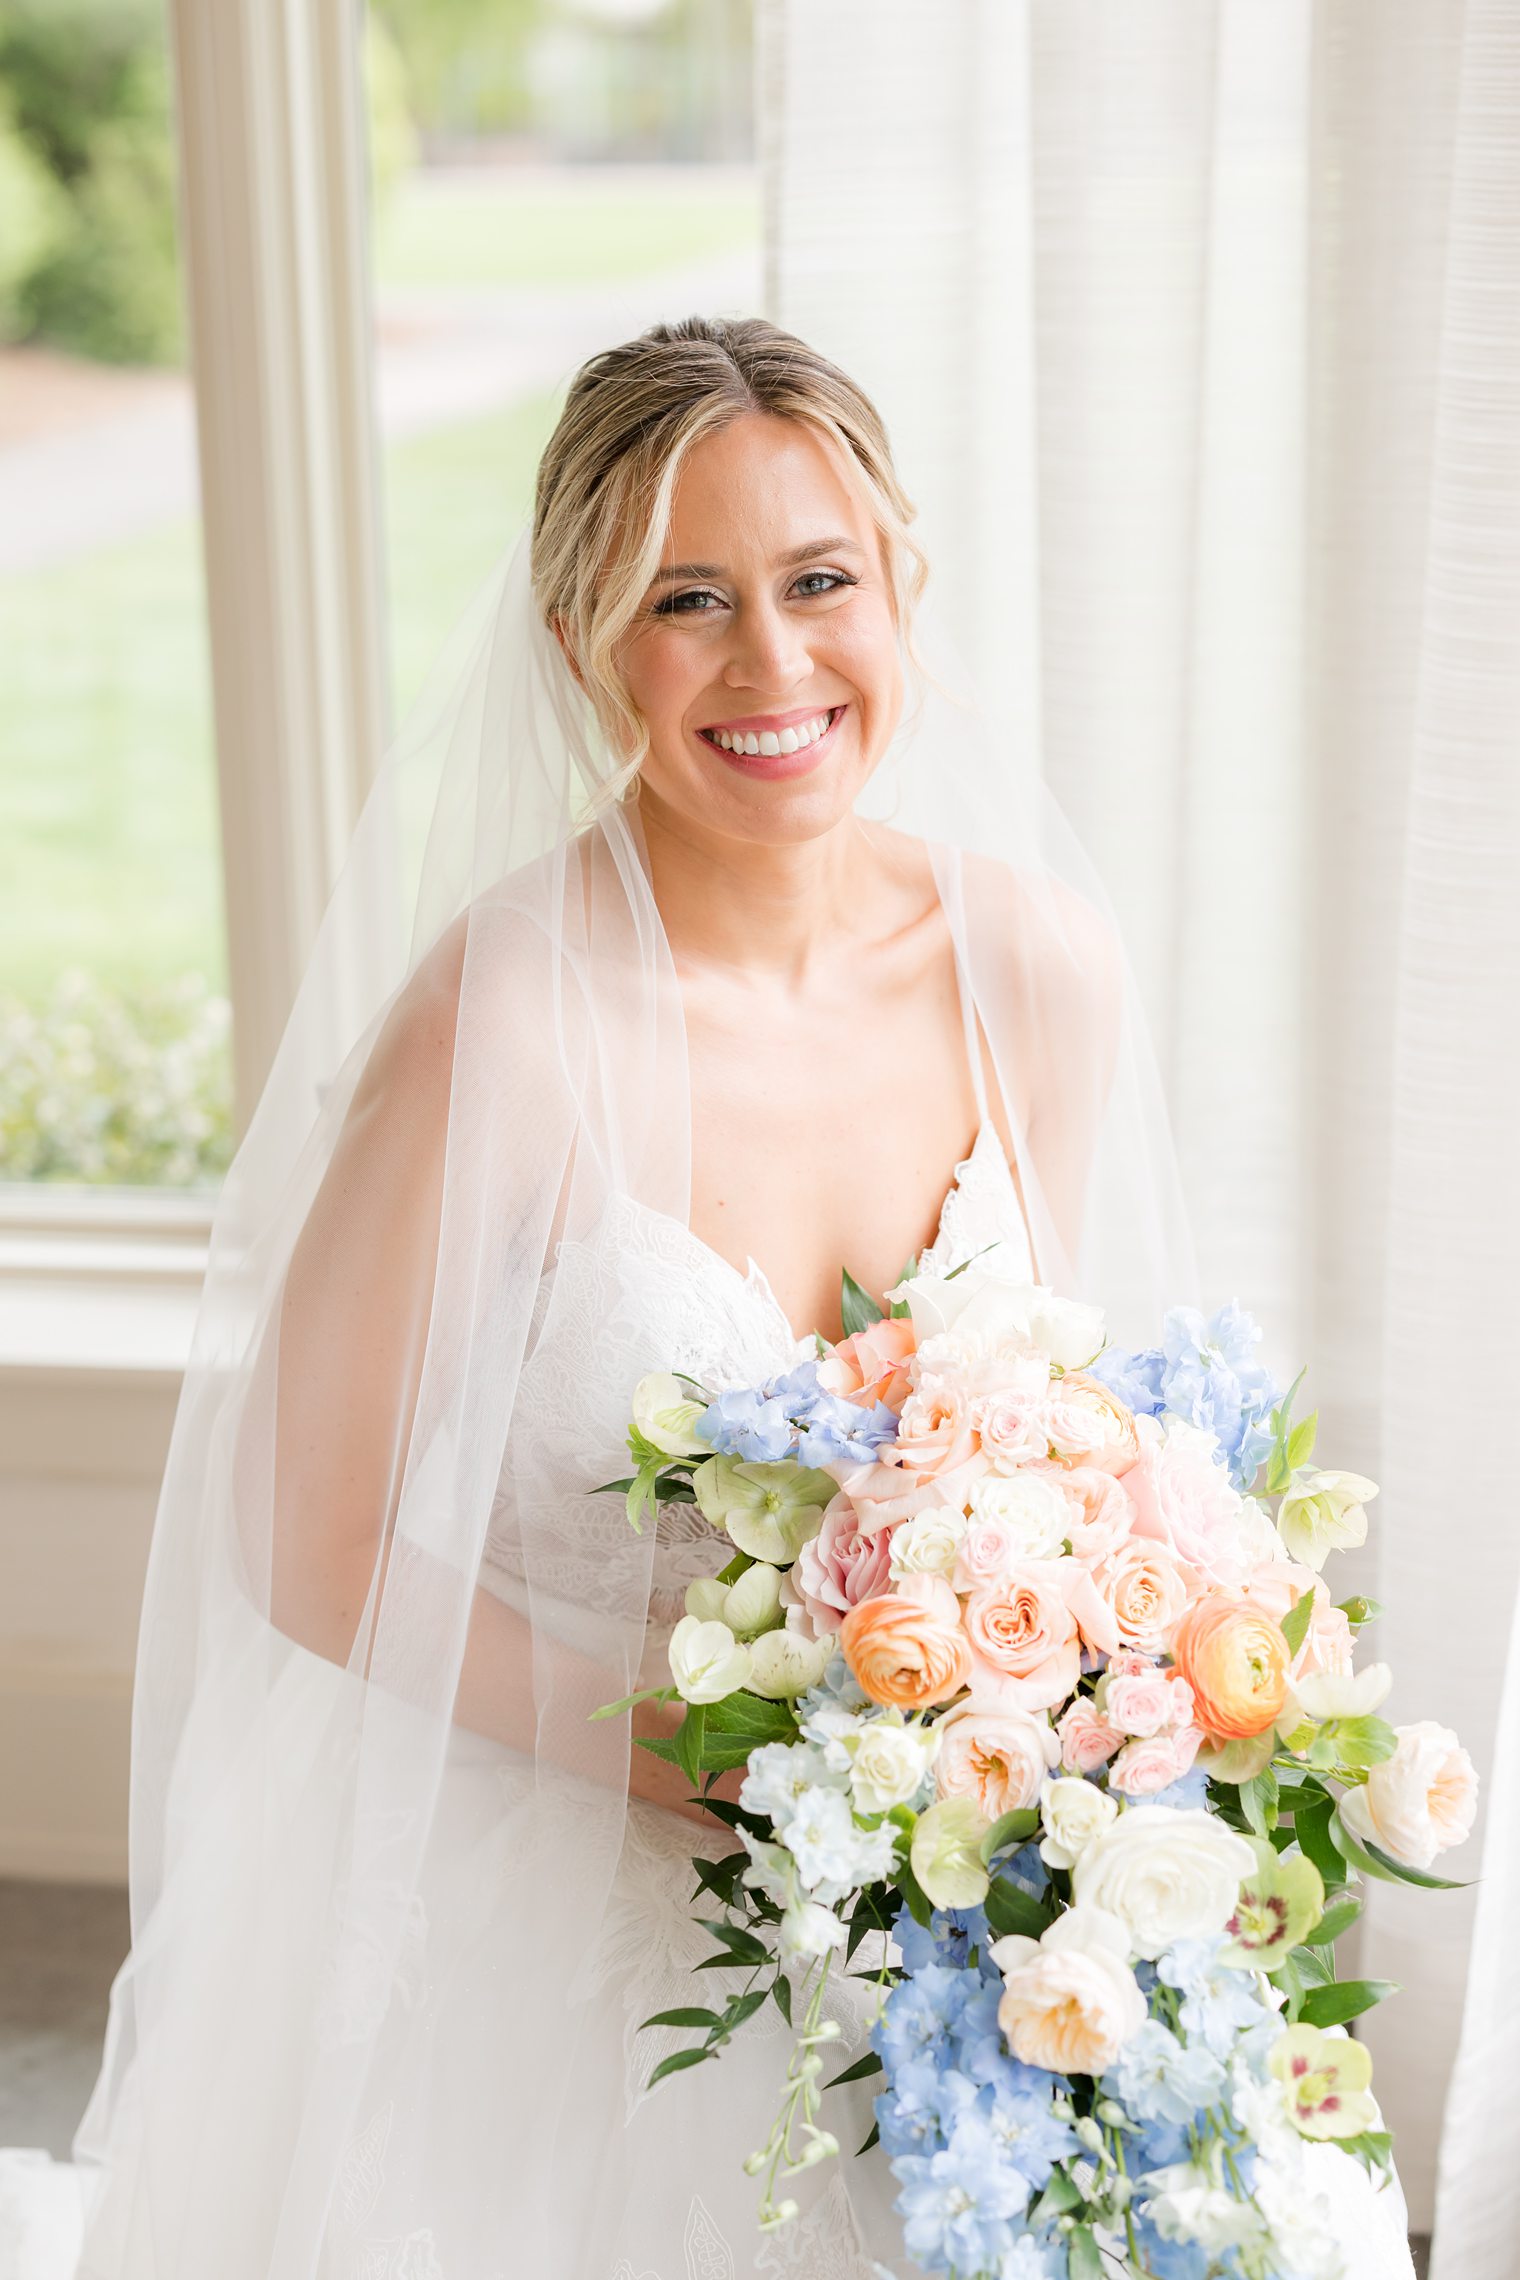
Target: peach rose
(1087,1739)
(1145,1767)
(995,1754)
(1025,1632)
(872,1365)
(840,1566)
(884,1494)
(1070,1999)
(935,1434)
(1147,1590)
(1089,1425)
(907,1649)
(1235,1659)
(1102,1515)
(1420,1800)
(1183,1498)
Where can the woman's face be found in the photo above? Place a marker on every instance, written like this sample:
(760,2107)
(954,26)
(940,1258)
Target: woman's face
(764,655)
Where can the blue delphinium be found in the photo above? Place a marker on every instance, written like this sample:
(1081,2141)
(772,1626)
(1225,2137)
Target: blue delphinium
(971,2132)
(1190,1791)
(1207,1373)
(1157,2078)
(793,1416)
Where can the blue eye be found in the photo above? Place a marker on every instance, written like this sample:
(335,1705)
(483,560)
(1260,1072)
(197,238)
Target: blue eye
(688,603)
(812,583)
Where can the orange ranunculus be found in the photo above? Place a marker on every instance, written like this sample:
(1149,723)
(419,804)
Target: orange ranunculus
(1235,1659)
(873,1364)
(907,1648)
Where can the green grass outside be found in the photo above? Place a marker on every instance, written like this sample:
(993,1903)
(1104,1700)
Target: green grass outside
(436,234)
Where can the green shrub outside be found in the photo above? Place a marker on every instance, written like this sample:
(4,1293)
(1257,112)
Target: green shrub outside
(116,1087)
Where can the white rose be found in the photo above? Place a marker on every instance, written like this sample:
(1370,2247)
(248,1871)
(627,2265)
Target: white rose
(1032,1509)
(1167,1873)
(1342,1694)
(888,1761)
(1070,2000)
(927,1544)
(707,1662)
(1322,1513)
(665,1415)
(1073,1813)
(1420,1800)
(981,1303)
(784,1663)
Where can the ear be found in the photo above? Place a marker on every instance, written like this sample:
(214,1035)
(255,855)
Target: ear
(557,626)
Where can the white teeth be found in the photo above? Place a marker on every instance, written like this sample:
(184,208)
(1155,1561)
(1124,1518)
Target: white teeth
(769,741)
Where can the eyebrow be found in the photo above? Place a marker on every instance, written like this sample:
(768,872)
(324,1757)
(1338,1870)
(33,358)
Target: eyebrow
(672,571)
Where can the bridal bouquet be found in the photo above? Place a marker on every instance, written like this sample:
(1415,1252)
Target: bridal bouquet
(1024,1647)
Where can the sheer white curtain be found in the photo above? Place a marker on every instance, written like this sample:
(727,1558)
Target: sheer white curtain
(1197,327)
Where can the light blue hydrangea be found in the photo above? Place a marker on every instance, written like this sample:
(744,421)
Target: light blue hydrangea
(1207,1372)
(1190,1791)
(793,1416)
(1158,2078)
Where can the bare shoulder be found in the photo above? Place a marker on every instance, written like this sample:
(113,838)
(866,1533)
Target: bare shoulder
(1062,942)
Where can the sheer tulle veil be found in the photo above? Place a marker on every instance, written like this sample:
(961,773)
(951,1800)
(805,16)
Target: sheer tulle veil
(370,1569)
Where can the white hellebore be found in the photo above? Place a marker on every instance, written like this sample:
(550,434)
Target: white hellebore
(784,1664)
(1322,1513)
(1325,1694)
(888,1761)
(1073,1813)
(706,1660)
(750,1606)
(665,1415)
(986,1304)
(927,1544)
(1168,1874)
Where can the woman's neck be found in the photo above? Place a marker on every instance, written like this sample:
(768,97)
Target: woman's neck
(769,910)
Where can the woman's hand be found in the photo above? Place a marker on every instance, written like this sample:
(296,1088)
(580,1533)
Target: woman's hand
(660,1783)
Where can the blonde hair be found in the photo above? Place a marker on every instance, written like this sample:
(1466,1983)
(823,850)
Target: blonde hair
(608,475)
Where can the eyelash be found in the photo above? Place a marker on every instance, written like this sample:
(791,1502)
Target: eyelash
(670,604)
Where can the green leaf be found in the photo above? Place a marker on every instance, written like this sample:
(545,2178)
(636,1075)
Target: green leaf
(1376,1862)
(1312,1969)
(1342,1999)
(1288,1978)
(870,2064)
(1372,2148)
(1362,1741)
(1295,1624)
(1010,1829)
(1060,2194)
(781,1995)
(1083,2260)
(740,1564)
(1011,1909)
(857,1308)
(867,2143)
(658,1746)
(677,2060)
(913,1893)
(1258,1801)
(688,2017)
(1300,1444)
(628,1702)
(1338,1917)
(1312,1826)
(744,2007)
(751,1716)
(688,1741)
(743,1945)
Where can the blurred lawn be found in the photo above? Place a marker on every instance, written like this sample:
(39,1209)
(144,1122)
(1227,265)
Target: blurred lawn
(578,228)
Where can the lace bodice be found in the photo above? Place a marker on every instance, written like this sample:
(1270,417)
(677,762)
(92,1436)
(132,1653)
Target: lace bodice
(646,1293)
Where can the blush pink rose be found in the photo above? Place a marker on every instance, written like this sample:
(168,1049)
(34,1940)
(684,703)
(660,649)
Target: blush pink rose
(1023,1634)
(884,1494)
(1088,1425)
(935,1435)
(1147,1766)
(1139,1701)
(1010,1422)
(1183,1499)
(1102,1515)
(1087,1739)
(1147,1590)
(840,1566)
(872,1365)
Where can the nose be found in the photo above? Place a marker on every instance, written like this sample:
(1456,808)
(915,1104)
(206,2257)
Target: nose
(770,654)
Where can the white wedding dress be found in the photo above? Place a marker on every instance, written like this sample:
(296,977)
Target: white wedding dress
(419,2193)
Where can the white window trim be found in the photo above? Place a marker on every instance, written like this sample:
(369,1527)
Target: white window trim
(273,202)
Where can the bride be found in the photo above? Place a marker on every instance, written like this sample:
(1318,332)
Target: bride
(694,942)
